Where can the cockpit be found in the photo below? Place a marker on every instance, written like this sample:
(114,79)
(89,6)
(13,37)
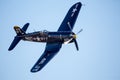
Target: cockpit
(45,31)
(39,33)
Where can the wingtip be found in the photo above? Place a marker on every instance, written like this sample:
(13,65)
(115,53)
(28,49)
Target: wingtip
(79,3)
(27,23)
(33,71)
(9,49)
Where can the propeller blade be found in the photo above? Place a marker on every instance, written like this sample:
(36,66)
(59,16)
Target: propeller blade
(80,31)
(76,45)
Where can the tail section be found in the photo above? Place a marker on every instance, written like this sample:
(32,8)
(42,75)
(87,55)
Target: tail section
(14,43)
(19,32)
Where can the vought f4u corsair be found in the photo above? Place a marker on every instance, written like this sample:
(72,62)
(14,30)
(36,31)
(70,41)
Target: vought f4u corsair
(53,40)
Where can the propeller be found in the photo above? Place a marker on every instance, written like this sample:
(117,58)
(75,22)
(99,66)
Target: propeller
(74,39)
(76,44)
(79,31)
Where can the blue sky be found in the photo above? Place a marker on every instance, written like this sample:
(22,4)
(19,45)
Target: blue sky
(99,43)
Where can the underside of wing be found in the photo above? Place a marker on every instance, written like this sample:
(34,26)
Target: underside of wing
(50,51)
(70,18)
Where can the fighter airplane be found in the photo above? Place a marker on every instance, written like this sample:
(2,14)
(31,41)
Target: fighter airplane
(53,40)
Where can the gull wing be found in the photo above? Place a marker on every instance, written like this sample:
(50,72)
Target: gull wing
(70,18)
(50,51)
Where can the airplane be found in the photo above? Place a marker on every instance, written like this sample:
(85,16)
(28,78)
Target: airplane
(53,40)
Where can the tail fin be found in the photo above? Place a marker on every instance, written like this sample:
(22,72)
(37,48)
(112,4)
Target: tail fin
(19,32)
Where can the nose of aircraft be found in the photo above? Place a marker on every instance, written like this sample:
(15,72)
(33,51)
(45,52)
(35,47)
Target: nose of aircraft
(74,36)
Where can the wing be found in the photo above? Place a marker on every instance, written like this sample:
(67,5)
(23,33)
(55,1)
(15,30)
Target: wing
(50,51)
(70,19)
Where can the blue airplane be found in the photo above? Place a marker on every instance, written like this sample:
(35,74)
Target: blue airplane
(53,40)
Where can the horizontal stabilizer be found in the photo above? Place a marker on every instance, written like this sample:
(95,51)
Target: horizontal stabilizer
(25,27)
(14,43)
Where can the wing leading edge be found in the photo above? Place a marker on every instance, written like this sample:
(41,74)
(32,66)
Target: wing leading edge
(70,18)
(50,51)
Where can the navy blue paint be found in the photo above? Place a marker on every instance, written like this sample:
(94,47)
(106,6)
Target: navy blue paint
(64,26)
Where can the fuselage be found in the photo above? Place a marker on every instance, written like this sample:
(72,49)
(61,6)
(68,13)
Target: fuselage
(51,37)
